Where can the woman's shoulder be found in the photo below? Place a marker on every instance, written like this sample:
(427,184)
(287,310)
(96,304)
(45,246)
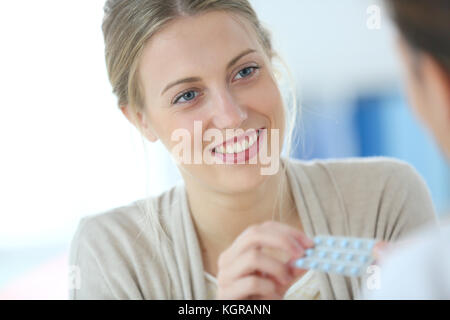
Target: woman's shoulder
(382,194)
(119,244)
(351,173)
(128,229)
(130,218)
(364,166)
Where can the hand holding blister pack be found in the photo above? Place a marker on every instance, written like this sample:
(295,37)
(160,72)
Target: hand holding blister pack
(347,256)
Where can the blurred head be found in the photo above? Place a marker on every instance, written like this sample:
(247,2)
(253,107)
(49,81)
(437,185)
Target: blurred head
(424,46)
(223,57)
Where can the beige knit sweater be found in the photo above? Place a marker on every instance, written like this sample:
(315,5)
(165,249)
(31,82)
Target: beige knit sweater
(119,255)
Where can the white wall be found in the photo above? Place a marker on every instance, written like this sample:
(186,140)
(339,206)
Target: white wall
(328,45)
(66,150)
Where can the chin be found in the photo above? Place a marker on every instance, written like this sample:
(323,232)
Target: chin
(243,180)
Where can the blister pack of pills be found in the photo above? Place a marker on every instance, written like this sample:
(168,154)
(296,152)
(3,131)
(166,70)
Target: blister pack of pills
(346,256)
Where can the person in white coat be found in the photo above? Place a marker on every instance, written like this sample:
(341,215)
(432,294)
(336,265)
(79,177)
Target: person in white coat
(419,267)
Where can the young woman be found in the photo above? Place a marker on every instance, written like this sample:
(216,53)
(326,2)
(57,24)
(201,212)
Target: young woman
(228,231)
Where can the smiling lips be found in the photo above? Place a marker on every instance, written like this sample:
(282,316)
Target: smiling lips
(238,144)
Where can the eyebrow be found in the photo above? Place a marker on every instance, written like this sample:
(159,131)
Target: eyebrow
(195,79)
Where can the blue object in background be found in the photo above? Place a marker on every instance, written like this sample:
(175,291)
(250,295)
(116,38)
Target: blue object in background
(386,126)
(325,130)
(368,120)
(375,124)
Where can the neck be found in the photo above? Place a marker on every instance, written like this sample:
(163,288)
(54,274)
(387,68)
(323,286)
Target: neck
(220,218)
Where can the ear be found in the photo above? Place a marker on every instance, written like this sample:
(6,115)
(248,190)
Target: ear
(139,120)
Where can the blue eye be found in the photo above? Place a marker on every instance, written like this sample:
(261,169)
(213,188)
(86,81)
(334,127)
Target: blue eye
(191,94)
(187,96)
(247,71)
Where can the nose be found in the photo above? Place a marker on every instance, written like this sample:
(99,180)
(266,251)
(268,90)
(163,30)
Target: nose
(227,112)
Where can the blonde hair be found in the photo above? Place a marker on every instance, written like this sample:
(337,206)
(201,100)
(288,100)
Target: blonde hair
(129,24)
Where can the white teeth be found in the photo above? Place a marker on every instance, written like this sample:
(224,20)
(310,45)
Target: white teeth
(237,147)
(241,146)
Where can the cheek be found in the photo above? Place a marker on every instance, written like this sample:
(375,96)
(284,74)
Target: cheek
(166,123)
(414,88)
(266,99)
(417,98)
(275,110)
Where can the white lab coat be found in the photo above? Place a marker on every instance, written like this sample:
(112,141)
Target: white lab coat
(417,268)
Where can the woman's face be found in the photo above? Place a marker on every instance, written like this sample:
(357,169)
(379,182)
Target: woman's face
(229,86)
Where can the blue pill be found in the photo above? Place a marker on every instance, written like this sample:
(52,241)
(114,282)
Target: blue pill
(300,263)
(322,254)
(336,255)
(349,257)
(330,242)
(371,245)
(357,244)
(340,269)
(313,264)
(344,243)
(354,271)
(326,267)
(309,252)
(317,241)
(363,259)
